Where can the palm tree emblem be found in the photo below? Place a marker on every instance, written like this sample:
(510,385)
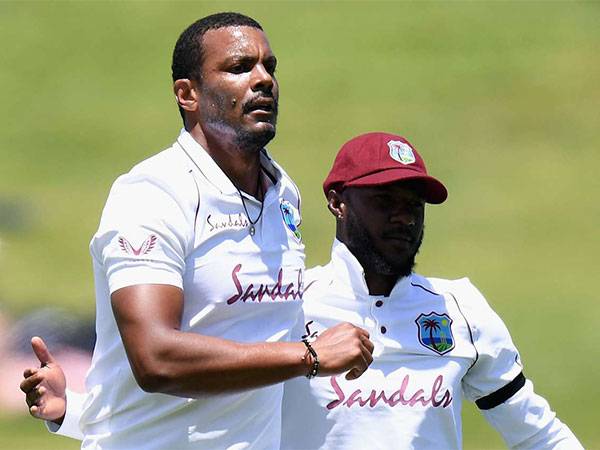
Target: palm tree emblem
(435,332)
(431,325)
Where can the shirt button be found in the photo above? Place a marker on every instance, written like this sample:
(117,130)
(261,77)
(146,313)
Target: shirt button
(383,330)
(378,303)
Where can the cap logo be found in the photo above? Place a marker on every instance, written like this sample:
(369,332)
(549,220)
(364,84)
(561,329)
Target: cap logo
(401,152)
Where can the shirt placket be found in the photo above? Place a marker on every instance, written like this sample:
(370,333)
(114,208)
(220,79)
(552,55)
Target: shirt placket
(377,315)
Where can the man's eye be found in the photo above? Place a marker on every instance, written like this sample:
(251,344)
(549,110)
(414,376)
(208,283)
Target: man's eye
(238,68)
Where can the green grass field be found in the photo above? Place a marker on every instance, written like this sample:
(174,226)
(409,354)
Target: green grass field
(502,99)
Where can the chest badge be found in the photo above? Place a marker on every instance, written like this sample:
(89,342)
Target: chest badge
(435,332)
(291,217)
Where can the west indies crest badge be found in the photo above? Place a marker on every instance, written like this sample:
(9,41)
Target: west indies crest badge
(291,218)
(435,332)
(401,152)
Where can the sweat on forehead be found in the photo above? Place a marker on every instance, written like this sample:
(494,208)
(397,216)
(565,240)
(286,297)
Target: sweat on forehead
(234,43)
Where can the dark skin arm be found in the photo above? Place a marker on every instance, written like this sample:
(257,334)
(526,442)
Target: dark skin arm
(165,359)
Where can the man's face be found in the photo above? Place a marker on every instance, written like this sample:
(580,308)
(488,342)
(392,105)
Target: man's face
(238,91)
(383,226)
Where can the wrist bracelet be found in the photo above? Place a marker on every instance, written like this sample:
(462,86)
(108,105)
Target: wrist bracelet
(314,370)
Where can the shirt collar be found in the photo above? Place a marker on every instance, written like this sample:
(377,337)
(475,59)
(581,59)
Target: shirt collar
(348,271)
(211,170)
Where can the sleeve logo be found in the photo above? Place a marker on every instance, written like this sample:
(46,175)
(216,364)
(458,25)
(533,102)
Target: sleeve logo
(146,247)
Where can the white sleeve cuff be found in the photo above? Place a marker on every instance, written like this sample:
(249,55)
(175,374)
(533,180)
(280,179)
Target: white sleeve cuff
(70,426)
(526,421)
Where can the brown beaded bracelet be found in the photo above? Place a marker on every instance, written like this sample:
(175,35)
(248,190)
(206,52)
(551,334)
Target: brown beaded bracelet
(314,370)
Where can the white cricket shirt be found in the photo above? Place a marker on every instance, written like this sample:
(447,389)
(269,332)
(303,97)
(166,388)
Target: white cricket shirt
(435,341)
(177,219)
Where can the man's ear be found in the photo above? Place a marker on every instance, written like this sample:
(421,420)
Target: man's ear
(336,204)
(186,94)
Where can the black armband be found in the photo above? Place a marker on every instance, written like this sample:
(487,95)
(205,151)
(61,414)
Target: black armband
(501,395)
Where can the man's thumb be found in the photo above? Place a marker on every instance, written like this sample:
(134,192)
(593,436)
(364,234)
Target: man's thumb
(41,351)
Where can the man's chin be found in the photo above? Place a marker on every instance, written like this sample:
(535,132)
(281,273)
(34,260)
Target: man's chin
(259,135)
(404,270)
(266,127)
(265,132)
(261,125)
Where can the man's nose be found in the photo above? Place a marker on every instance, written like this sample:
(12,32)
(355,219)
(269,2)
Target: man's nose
(262,80)
(404,217)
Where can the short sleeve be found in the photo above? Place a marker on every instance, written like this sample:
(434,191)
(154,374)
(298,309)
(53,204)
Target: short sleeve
(143,234)
(497,372)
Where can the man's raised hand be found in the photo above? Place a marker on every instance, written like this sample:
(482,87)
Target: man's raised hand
(45,387)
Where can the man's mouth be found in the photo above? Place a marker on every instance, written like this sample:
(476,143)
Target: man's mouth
(399,236)
(264,105)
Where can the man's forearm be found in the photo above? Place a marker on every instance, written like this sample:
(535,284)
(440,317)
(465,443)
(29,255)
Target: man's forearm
(187,364)
(167,360)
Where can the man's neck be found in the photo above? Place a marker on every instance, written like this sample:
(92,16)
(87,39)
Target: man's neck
(241,165)
(379,284)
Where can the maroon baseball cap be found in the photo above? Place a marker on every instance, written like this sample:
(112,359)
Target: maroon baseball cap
(374,159)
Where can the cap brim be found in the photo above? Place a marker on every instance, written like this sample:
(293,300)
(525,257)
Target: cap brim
(435,192)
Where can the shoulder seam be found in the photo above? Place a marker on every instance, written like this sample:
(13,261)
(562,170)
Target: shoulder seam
(468,328)
(197,207)
(424,288)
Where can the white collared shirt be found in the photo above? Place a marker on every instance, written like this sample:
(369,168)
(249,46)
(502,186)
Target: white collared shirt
(435,341)
(177,219)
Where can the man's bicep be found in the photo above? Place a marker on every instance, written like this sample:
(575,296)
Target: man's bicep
(146,314)
(496,373)
(147,307)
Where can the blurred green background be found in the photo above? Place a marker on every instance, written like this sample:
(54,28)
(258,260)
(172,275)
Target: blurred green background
(502,99)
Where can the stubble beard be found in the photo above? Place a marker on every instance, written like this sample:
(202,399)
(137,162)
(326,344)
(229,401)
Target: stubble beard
(362,247)
(245,139)
(253,140)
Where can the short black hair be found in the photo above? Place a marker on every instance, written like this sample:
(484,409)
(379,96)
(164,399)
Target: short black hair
(188,52)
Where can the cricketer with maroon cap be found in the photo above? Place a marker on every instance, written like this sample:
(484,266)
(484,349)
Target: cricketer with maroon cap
(435,340)
(377,189)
